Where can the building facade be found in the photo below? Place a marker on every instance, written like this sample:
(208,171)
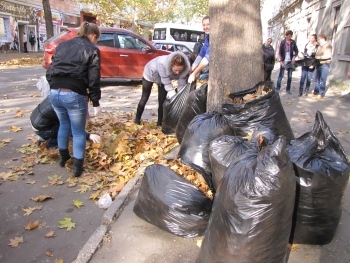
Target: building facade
(307,17)
(17,17)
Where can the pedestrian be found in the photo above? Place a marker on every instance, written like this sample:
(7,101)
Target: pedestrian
(197,47)
(269,58)
(202,60)
(163,70)
(287,52)
(307,70)
(32,41)
(25,42)
(45,124)
(38,41)
(324,58)
(74,77)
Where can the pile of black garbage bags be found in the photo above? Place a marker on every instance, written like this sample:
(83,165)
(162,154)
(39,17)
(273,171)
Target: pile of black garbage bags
(270,189)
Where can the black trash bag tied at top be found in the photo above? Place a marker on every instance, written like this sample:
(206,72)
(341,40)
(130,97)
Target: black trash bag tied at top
(172,109)
(322,174)
(194,149)
(252,212)
(225,149)
(260,105)
(195,104)
(171,203)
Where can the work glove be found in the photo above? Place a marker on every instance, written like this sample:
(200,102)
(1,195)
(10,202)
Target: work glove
(171,94)
(97,110)
(95,138)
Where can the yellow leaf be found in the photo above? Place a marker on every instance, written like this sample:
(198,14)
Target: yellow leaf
(15,129)
(19,113)
(66,223)
(78,203)
(58,260)
(28,210)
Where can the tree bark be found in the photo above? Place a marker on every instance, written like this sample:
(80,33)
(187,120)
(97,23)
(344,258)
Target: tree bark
(235,61)
(48,19)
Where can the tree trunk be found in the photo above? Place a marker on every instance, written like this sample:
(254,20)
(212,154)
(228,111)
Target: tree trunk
(236,60)
(48,19)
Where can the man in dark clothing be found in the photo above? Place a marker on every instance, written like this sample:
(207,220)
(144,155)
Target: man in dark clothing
(197,47)
(269,59)
(287,53)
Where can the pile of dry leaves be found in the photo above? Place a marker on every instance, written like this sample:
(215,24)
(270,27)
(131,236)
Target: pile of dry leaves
(22,62)
(125,147)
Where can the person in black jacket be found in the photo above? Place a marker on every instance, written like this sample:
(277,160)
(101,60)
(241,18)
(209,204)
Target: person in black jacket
(45,124)
(74,77)
(287,53)
(269,59)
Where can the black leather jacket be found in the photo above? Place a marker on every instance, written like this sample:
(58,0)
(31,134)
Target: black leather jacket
(43,116)
(76,65)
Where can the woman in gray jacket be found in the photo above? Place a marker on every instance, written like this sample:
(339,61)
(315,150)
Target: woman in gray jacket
(163,70)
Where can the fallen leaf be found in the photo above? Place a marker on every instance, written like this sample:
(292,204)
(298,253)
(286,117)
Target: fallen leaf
(58,260)
(41,198)
(32,225)
(14,242)
(28,210)
(19,113)
(30,181)
(50,234)
(78,203)
(15,129)
(49,254)
(66,223)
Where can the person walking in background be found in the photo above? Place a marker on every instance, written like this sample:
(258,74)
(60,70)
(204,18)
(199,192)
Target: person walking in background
(269,58)
(202,60)
(25,40)
(74,77)
(324,58)
(32,41)
(287,52)
(197,47)
(163,70)
(307,70)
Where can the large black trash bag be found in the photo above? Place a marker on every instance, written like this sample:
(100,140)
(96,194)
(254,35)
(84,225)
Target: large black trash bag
(194,149)
(171,203)
(196,104)
(225,149)
(251,217)
(172,109)
(266,110)
(322,172)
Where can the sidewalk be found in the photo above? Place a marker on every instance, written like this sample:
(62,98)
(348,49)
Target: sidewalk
(14,54)
(130,239)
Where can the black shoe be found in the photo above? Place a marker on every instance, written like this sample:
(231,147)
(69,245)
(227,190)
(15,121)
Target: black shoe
(289,93)
(78,167)
(300,94)
(137,121)
(64,157)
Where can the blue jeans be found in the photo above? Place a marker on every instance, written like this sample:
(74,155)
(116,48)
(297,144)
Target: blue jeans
(280,77)
(71,109)
(321,79)
(306,74)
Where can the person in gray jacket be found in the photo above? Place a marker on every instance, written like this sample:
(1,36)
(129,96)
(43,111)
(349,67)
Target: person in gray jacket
(163,70)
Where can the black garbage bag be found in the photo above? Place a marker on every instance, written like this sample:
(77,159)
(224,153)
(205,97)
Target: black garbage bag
(171,203)
(266,110)
(195,104)
(305,62)
(172,109)
(252,212)
(322,172)
(194,149)
(225,149)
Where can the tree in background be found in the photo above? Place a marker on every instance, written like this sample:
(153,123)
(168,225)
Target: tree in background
(235,49)
(48,19)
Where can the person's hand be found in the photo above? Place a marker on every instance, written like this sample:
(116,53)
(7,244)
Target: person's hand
(170,94)
(282,64)
(97,110)
(95,138)
(293,60)
(191,78)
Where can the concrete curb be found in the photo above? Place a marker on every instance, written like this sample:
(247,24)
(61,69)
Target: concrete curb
(111,213)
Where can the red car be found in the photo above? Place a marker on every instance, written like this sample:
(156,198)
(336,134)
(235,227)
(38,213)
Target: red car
(124,54)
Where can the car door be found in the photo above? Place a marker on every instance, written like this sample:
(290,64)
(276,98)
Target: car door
(134,54)
(109,55)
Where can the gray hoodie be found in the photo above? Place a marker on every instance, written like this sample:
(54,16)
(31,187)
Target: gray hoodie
(158,70)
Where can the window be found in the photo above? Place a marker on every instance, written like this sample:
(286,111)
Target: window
(159,34)
(131,42)
(106,40)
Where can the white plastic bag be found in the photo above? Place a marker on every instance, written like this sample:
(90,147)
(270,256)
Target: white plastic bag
(43,86)
(105,201)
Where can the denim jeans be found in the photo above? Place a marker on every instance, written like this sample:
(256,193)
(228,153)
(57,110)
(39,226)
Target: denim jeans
(71,109)
(321,79)
(280,77)
(306,74)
